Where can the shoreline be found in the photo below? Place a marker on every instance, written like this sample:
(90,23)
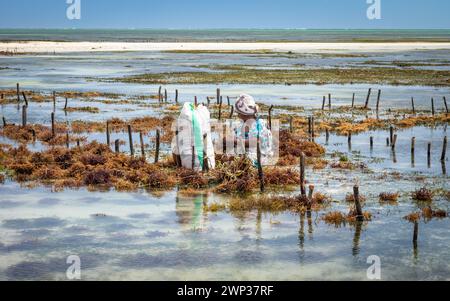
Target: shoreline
(36,47)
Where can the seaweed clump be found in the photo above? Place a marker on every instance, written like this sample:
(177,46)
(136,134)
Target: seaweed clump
(423,194)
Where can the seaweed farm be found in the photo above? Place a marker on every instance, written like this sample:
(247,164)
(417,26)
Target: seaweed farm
(86,166)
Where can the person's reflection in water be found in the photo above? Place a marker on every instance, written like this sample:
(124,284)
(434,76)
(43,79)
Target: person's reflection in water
(356,238)
(189,210)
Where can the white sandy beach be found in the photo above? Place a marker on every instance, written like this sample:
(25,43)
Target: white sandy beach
(64,47)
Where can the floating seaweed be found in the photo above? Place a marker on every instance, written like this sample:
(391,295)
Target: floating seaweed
(423,194)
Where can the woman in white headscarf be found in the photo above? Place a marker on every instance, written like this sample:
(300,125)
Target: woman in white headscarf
(252,126)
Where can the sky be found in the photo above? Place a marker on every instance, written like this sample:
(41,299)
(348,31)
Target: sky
(198,14)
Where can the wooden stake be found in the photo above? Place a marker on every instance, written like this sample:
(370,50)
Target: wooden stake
(228,101)
(220,108)
(394,142)
(302,174)
(371,142)
(141,138)
(130,140)
(291,128)
(412,105)
(391,134)
(329,101)
(366,106)
(444,149)
(413,149)
(54,100)
(327,135)
(108,138)
(24,115)
(323,103)
(78,142)
(159,94)
(217,95)
(25,98)
(195,101)
(176,96)
(158,136)
(387,141)
(310,197)
(445,104)
(359,213)
(309,126)
(18,92)
(193,157)
(65,105)
(378,99)
(260,169)
(429,154)
(312,129)
(117,146)
(432,106)
(270,117)
(205,153)
(353,100)
(53,123)
(231,113)
(67,140)
(416,233)
(4,121)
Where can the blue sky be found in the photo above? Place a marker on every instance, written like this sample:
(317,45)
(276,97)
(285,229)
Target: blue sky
(224,14)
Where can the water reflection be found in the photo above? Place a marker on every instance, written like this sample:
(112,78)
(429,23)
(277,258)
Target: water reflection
(189,210)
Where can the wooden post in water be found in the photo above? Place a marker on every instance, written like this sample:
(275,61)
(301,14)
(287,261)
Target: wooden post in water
(67,140)
(323,103)
(65,105)
(310,197)
(217,95)
(228,101)
(391,134)
(159,94)
(366,106)
(329,101)
(117,146)
(378,99)
(312,128)
(220,108)
(413,150)
(302,174)
(387,141)
(195,101)
(176,96)
(53,123)
(359,213)
(141,139)
(412,106)
(444,149)
(108,138)
(327,135)
(24,115)
(429,154)
(394,142)
(416,234)
(371,143)
(130,140)
(309,126)
(18,92)
(432,106)
(349,140)
(231,113)
(158,136)
(4,121)
(205,153)
(25,98)
(193,157)
(445,104)
(270,117)
(54,100)
(353,100)
(260,169)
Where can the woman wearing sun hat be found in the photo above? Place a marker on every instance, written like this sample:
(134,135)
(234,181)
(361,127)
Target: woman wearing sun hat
(250,127)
